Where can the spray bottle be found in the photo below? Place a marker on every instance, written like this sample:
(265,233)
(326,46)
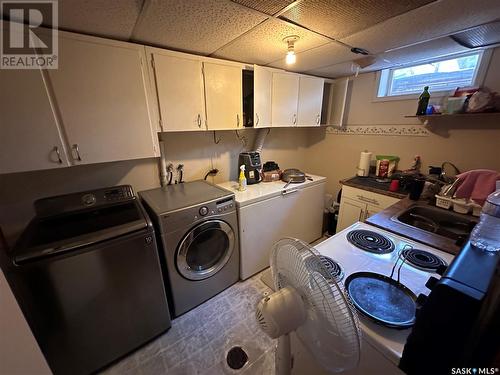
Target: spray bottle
(242,179)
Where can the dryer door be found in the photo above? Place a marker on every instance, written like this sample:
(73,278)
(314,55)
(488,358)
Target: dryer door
(205,249)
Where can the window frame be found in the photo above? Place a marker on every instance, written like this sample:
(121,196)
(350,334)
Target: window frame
(384,76)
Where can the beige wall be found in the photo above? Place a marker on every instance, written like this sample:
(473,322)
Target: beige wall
(468,142)
(19,351)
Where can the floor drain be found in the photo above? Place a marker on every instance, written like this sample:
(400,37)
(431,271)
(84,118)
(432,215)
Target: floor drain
(236,358)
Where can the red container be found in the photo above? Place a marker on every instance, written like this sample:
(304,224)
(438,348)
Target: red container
(394,185)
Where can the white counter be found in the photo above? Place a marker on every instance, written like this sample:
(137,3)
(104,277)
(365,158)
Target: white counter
(264,190)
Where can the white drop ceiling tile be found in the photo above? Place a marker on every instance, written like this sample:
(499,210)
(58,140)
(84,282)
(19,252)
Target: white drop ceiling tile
(325,55)
(266,6)
(334,71)
(264,44)
(429,22)
(112,19)
(421,52)
(200,26)
(339,18)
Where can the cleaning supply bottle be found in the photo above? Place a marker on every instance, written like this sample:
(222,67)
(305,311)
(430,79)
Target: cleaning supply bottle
(242,179)
(423,102)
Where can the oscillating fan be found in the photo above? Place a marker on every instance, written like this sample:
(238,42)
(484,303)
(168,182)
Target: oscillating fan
(308,301)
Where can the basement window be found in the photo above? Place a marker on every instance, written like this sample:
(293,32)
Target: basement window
(441,75)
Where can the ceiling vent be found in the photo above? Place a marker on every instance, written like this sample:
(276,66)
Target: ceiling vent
(487,35)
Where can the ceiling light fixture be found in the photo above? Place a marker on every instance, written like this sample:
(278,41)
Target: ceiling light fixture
(290,54)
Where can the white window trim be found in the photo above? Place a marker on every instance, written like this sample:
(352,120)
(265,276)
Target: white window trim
(386,74)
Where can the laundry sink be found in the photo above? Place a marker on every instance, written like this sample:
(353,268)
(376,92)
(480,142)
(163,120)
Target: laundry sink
(437,220)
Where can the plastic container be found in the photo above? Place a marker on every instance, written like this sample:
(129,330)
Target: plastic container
(461,206)
(443,202)
(455,105)
(476,209)
(486,233)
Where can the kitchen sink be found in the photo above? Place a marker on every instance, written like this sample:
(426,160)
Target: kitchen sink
(437,220)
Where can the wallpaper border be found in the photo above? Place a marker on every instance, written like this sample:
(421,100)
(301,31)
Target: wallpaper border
(395,130)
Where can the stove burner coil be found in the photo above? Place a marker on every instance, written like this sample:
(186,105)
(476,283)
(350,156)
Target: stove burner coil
(422,259)
(370,241)
(332,267)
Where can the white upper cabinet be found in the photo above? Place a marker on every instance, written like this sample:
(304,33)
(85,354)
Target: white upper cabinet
(29,135)
(263,81)
(223,95)
(310,101)
(179,85)
(285,92)
(101,93)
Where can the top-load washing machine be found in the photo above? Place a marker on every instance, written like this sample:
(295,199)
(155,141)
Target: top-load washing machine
(198,228)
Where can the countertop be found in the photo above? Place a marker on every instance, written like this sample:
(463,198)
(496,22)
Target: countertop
(370,184)
(383,220)
(265,190)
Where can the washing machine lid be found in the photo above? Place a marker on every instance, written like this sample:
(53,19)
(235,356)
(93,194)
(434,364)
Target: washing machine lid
(174,197)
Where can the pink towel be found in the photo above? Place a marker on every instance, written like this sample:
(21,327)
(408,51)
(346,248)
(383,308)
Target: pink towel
(477,184)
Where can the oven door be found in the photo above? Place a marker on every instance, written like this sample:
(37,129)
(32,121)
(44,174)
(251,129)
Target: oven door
(205,249)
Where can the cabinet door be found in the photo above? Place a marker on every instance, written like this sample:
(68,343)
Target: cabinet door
(350,212)
(285,93)
(223,95)
(337,99)
(179,84)
(101,94)
(310,101)
(263,79)
(29,136)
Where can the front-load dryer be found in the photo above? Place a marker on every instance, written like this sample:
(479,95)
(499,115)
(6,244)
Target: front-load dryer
(198,228)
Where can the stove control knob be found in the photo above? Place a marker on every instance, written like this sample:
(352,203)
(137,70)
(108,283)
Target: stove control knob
(431,282)
(203,211)
(441,269)
(89,199)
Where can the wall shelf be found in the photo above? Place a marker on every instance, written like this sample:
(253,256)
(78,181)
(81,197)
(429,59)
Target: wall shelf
(426,118)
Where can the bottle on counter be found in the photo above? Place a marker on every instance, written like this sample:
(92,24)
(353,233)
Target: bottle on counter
(242,180)
(423,101)
(486,233)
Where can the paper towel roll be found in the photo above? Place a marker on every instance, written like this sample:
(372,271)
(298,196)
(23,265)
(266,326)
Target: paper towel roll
(364,163)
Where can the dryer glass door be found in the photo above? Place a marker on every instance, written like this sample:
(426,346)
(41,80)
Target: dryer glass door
(205,249)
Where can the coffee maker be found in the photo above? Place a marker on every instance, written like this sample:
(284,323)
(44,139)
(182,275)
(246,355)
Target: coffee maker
(253,166)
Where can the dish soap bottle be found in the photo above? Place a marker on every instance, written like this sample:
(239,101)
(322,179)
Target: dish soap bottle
(242,179)
(423,102)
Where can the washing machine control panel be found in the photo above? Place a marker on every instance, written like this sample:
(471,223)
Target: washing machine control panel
(225,205)
(203,210)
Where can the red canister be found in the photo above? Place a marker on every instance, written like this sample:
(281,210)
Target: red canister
(394,185)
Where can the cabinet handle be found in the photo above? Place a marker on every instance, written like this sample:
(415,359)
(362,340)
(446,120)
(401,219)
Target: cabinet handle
(294,119)
(288,192)
(56,150)
(367,200)
(237,120)
(78,157)
(199,120)
(317,119)
(257,117)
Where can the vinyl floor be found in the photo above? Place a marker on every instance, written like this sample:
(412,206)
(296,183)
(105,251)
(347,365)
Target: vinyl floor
(198,341)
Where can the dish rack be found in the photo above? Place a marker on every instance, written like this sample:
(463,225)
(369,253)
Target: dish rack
(459,205)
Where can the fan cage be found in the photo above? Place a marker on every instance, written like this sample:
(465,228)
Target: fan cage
(332,317)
